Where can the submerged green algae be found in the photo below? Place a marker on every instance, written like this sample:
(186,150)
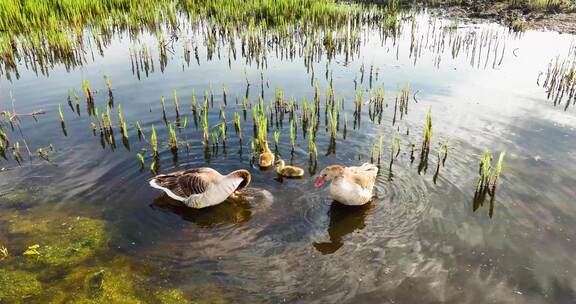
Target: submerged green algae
(96,285)
(172,296)
(63,241)
(119,281)
(18,286)
(72,265)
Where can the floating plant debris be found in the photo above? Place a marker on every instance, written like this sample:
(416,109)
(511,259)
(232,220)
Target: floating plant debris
(32,250)
(3,253)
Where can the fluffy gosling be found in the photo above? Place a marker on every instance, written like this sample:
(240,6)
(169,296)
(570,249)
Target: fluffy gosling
(288,171)
(266,158)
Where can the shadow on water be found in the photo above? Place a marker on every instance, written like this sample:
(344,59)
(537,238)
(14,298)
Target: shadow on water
(232,212)
(343,221)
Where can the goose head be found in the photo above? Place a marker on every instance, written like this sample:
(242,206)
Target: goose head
(328,174)
(246,178)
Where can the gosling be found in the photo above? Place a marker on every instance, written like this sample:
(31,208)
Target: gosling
(266,158)
(288,171)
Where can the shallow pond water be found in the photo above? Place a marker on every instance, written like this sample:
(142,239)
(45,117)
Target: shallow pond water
(419,241)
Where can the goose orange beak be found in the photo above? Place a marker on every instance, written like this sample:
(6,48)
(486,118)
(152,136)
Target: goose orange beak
(319,182)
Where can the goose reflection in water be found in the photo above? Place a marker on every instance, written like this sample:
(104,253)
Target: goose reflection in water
(343,221)
(233,211)
(230,212)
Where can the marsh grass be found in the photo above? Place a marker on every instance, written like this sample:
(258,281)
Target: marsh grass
(541,5)
(560,81)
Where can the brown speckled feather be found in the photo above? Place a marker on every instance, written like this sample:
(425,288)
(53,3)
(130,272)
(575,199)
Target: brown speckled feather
(189,182)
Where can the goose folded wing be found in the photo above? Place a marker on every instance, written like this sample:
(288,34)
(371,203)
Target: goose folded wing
(192,183)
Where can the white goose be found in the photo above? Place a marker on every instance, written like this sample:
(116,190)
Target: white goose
(351,186)
(202,187)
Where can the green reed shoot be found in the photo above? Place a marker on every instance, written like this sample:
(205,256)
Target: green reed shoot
(163,103)
(311,143)
(498,168)
(222,114)
(427,131)
(124,130)
(176,104)
(185,122)
(108,118)
(244,104)
(205,122)
(120,116)
(224,94)
(141,160)
(237,124)
(223,132)
(88,91)
(194,106)
(154,142)
(445,153)
(485,170)
(262,136)
(60,114)
(173,139)
(214,138)
(139,129)
(108,84)
(333,120)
